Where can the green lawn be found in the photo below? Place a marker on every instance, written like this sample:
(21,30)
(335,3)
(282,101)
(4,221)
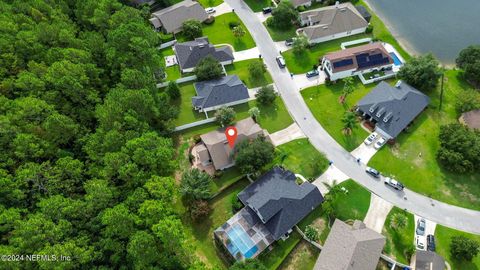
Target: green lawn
(354,204)
(281,34)
(301,157)
(302,257)
(421,172)
(303,62)
(241,69)
(202,232)
(219,33)
(323,102)
(257,5)
(319,221)
(227,178)
(187,113)
(401,240)
(272,259)
(443,236)
(210,3)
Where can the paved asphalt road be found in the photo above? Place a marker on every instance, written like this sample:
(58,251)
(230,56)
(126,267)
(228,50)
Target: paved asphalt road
(442,213)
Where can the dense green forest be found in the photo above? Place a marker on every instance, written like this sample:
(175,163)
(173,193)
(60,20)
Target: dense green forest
(86,158)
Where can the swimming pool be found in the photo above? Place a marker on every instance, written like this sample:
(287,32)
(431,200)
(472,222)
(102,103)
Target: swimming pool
(396,60)
(240,241)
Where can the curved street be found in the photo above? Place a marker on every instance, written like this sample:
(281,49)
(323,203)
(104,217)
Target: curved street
(439,212)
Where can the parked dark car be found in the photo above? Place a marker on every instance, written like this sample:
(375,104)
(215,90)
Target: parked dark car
(281,62)
(372,172)
(312,73)
(289,42)
(430,242)
(267,10)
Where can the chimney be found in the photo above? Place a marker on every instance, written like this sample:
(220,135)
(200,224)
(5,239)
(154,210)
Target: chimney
(397,85)
(337,3)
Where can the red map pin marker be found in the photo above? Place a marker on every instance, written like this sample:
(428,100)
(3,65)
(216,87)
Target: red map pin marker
(231,133)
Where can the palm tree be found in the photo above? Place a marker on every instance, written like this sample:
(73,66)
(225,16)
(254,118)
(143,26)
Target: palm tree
(333,189)
(398,221)
(238,31)
(349,122)
(254,112)
(347,88)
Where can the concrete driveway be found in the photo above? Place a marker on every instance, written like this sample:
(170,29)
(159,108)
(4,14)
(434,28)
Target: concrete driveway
(288,134)
(377,213)
(280,45)
(263,17)
(429,229)
(222,9)
(331,174)
(246,54)
(303,82)
(364,152)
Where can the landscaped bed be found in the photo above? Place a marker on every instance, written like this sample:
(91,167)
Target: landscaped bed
(413,159)
(241,69)
(299,156)
(443,237)
(399,240)
(323,102)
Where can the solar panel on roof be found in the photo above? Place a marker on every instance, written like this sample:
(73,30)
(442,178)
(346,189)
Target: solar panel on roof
(342,63)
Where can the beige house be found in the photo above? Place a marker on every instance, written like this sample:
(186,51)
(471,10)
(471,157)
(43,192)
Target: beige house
(171,19)
(331,22)
(350,248)
(214,150)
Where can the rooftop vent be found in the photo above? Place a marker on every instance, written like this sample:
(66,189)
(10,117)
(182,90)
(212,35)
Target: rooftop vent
(373,107)
(387,117)
(397,85)
(343,9)
(201,45)
(337,3)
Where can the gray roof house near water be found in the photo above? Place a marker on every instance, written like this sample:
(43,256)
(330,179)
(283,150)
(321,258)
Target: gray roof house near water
(191,52)
(171,19)
(392,108)
(225,91)
(427,260)
(350,248)
(331,22)
(274,204)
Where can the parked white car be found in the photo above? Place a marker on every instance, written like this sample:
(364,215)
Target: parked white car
(210,10)
(371,138)
(381,142)
(419,242)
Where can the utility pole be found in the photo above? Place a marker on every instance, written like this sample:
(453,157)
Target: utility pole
(441,90)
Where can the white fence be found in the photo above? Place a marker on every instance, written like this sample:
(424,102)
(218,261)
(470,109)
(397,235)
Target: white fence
(353,42)
(181,80)
(167,44)
(367,81)
(195,124)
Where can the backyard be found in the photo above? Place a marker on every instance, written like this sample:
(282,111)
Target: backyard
(302,257)
(241,69)
(414,154)
(323,102)
(301,157)
(443,237)
(399,240)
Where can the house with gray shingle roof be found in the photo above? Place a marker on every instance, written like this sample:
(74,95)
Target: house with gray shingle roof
(392,108)
(214,94)
(331,22)
(190,53)
(350,248)
(427,260)
(171,19)
(274,204)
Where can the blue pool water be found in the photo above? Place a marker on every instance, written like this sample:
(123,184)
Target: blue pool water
(241,242)
(396,61)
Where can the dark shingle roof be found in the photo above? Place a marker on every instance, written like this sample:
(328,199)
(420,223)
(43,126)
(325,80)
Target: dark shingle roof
(191,52)
(364,12)
(280,201)
(428,260)
(219,92)
(398,105)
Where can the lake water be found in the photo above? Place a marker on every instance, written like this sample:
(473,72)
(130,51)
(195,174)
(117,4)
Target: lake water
(442,27)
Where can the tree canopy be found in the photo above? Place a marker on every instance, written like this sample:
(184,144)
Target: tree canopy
(284,15)
(421,72)
(87,160)
(251,156)
(208,68)
(469,61)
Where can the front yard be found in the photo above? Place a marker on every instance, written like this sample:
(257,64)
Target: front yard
(399,241)
(301,157)
(220,33)
(210,3)
(241,70)
(258,5)
(413,159)
(281,34)
(443,237)
(323,102)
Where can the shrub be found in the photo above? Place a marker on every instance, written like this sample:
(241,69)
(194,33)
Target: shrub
(236,203)
(209,20)
(311,233)
(192,29)
(199,209)
(369,29)
(173,90)
(467,100)
(256,69)
(266,95)
(233,24)
(225,116)
(301,8)
(463,248)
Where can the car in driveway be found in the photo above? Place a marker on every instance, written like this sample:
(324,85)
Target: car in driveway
(289,42)
(267,10)
(381,142)
(393,183)
(312,73)
(430,242)
(210,10)
(372,172)
(371,138)
(420,227)
(281,61)
(419,243)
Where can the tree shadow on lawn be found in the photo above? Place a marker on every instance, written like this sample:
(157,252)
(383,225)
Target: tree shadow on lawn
(257,82)
(302,60)
(239,44)
(268,112)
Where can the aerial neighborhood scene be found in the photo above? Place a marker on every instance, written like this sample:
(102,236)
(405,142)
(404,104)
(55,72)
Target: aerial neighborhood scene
(240,134)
